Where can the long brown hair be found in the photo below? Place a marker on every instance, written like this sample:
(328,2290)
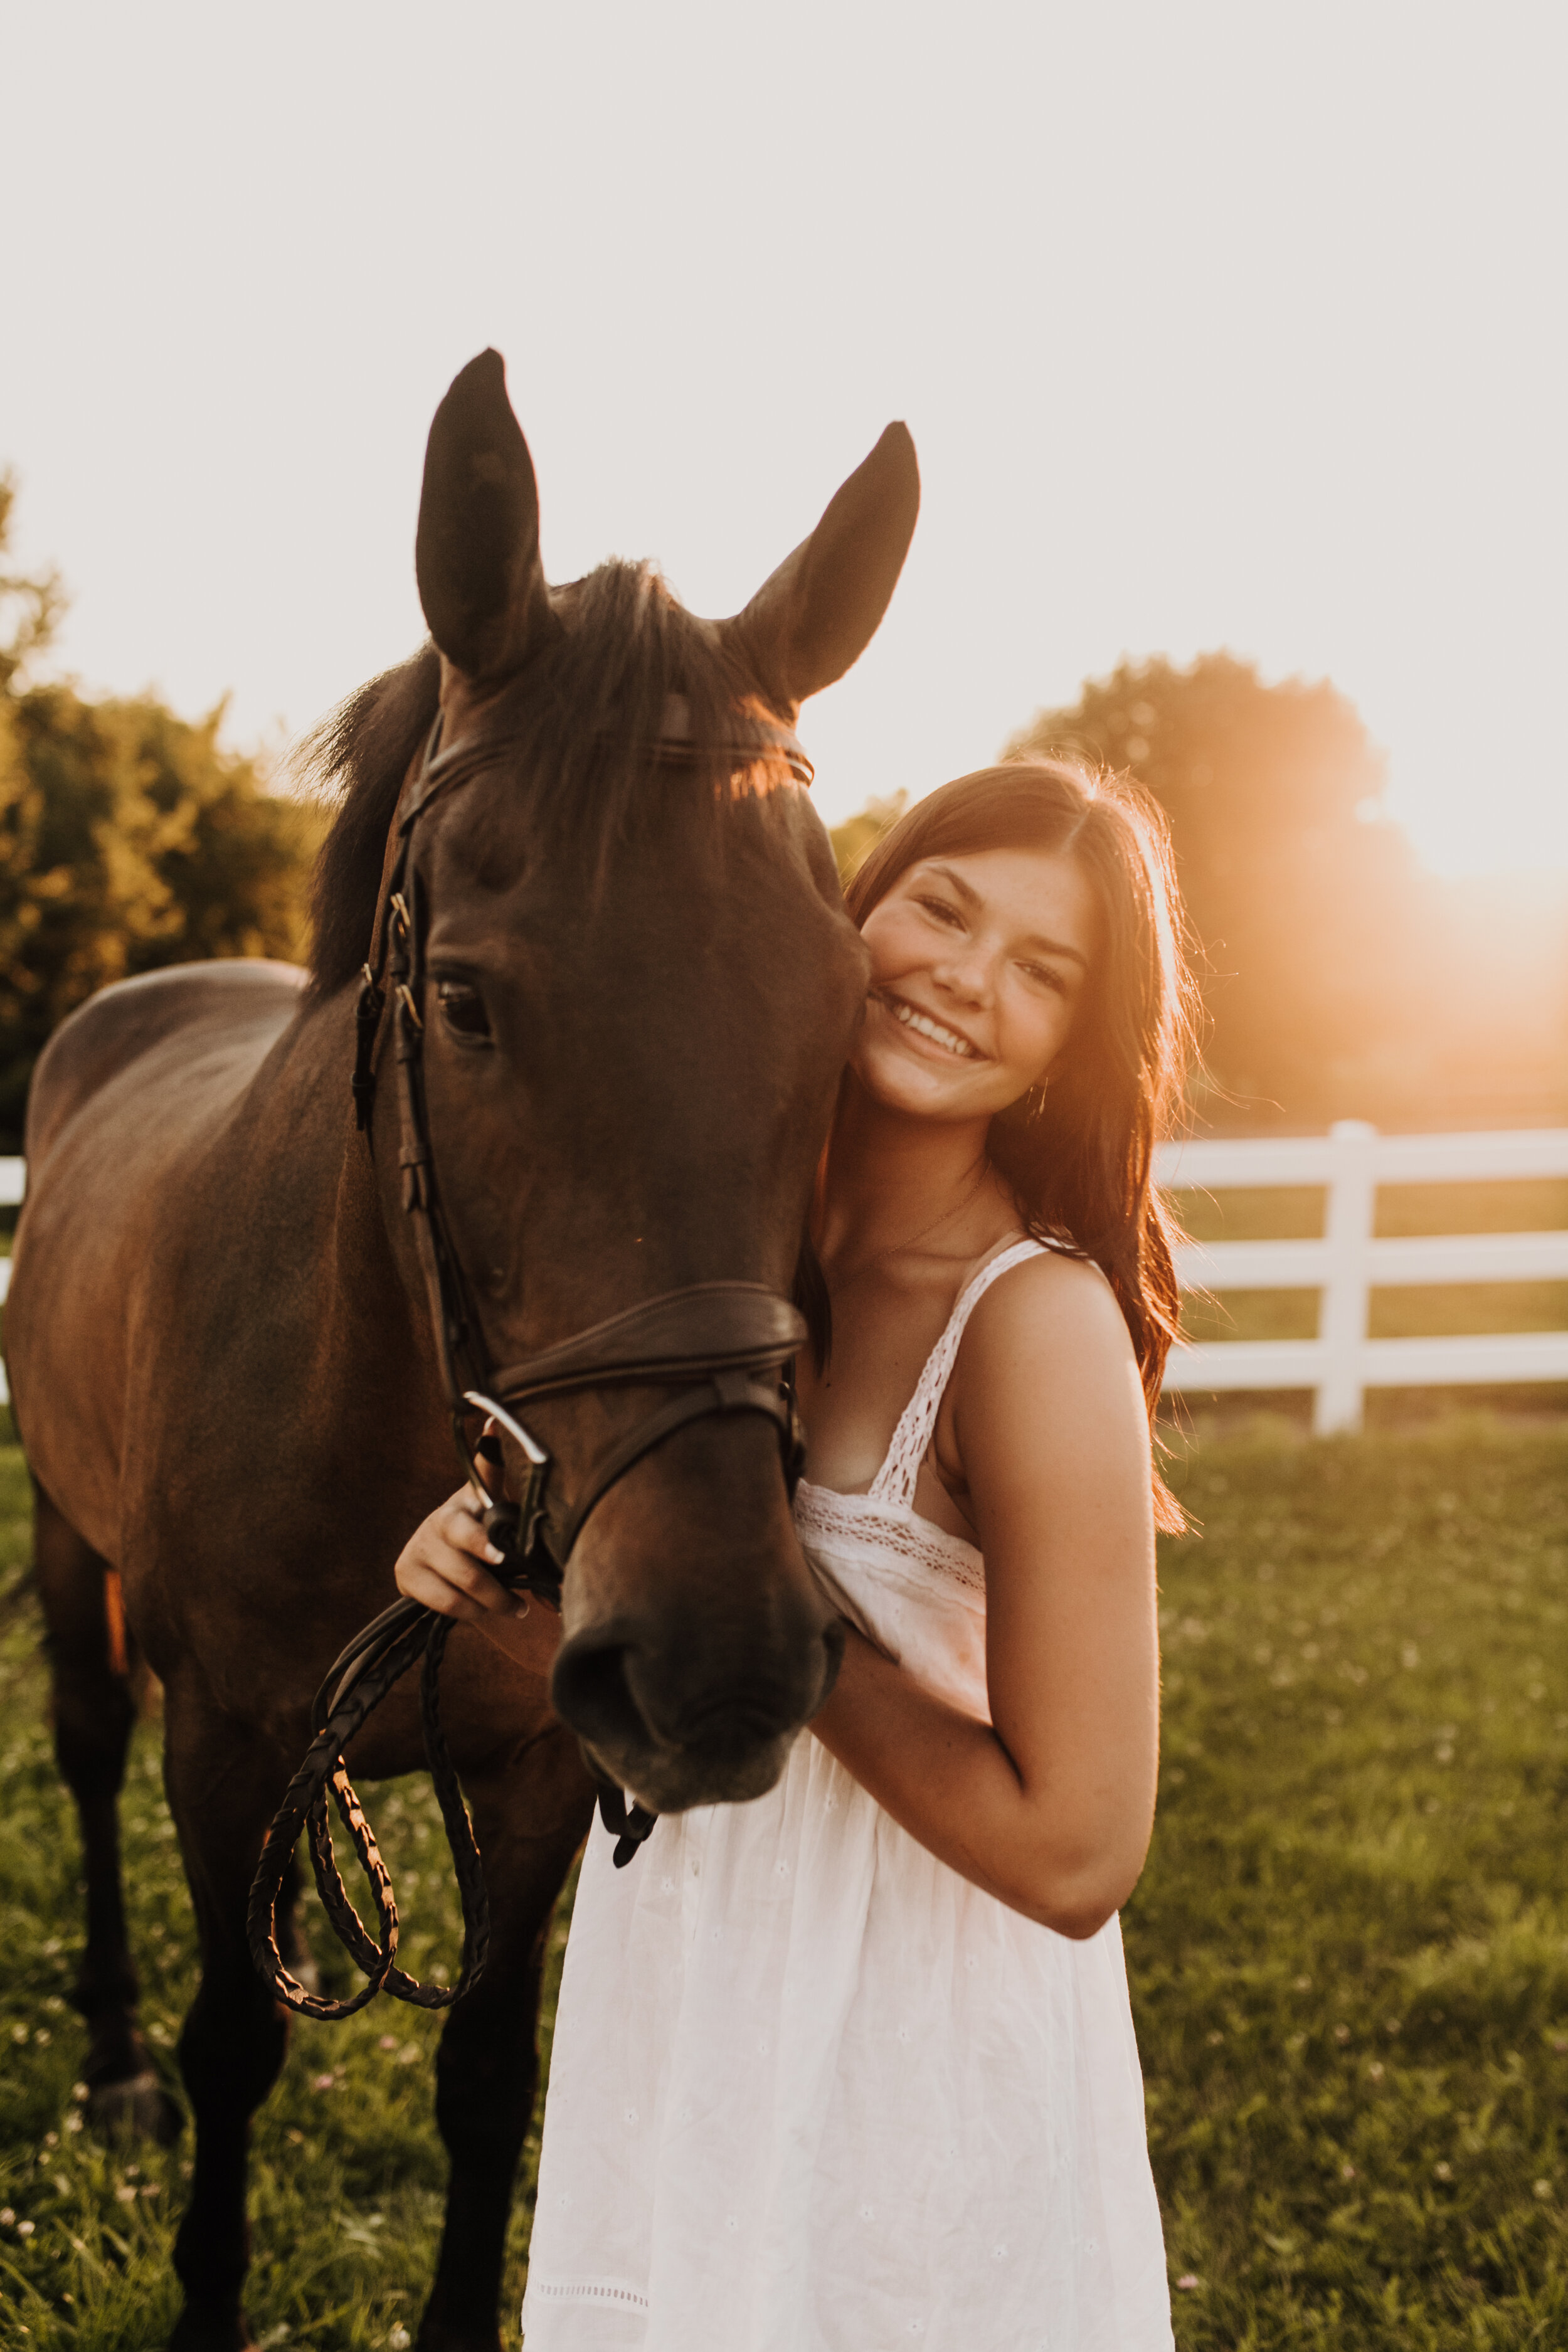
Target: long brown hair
(1079,1157)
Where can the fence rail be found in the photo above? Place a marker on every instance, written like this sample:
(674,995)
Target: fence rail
(1350,1262)
(1345,1265)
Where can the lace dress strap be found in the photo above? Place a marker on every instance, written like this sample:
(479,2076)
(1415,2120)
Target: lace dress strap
(895,1481)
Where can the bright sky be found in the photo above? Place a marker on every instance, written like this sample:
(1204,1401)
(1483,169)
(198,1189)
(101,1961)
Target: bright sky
(1215,325)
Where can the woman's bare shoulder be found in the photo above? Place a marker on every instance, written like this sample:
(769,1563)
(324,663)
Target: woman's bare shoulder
(1045,1400)
(1046,1343)
(1050,1304)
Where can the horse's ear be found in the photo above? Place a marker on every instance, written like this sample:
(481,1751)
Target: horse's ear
(476,557)
(820,610)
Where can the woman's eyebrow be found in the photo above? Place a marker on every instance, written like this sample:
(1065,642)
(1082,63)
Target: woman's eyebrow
(1037,942)
(1042,946)
(956,882)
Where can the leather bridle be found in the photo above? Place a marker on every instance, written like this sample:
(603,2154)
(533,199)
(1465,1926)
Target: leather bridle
(725,1346)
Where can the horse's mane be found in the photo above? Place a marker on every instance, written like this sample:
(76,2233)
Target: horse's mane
(601,690)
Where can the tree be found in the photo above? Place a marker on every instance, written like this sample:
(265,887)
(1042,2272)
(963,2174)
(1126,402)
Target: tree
(1304,902)
(856,835)
(128,839)
(1339,981)
(29,608)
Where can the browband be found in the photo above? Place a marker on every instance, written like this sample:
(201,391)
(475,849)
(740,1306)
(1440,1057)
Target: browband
(752,739)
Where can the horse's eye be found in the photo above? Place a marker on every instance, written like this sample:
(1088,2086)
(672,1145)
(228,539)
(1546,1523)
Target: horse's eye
(463,1008)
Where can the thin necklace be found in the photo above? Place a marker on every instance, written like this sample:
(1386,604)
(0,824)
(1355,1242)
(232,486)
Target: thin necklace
(914,1240)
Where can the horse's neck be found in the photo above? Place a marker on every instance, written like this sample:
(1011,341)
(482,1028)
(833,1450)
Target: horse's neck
(369,1321)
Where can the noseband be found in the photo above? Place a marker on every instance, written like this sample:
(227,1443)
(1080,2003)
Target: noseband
(725,1345)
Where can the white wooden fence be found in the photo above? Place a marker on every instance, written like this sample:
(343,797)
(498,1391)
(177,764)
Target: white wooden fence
(1341,1363)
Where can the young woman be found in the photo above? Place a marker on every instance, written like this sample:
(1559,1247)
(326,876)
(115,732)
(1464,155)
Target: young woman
(853,2066)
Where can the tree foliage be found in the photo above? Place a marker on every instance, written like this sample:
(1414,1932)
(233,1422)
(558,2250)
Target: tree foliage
(1301,898)
(1340,981)
(30,604)
(128,839)
(856,835)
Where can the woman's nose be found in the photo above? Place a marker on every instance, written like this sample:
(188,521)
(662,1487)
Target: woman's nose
(966,974)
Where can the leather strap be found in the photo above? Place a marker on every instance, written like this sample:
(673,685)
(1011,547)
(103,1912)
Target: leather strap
(725,1392)
(713,1326)
(752,739)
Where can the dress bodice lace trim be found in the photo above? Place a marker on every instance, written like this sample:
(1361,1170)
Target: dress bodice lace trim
(828,1519)
(895,1481)
(884,1518)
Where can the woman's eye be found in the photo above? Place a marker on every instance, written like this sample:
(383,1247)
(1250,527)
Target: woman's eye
(941,910)
(463,1008)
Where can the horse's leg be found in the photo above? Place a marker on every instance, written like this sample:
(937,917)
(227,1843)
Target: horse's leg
(530,1814)
(223,1786)
(94,1709)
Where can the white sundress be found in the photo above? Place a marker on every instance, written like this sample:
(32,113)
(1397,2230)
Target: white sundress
(811,2091)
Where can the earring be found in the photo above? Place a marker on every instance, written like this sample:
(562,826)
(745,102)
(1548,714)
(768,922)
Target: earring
(1035,1101)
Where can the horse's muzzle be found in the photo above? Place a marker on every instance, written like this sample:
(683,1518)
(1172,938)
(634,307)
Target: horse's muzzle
(679,1724)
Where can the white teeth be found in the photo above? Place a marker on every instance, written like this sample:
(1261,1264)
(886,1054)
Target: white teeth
(930,1028)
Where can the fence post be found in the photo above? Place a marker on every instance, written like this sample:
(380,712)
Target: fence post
(1347,1229)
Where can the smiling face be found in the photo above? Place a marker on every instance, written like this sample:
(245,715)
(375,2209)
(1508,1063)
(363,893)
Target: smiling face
(978,965)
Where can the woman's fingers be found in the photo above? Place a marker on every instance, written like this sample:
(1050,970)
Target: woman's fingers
(463,1572)
(446,1577)
(442,1564)
(418,1582)
(464,1529)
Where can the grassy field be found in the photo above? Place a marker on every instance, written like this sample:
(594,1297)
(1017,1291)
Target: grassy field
(1349,1953)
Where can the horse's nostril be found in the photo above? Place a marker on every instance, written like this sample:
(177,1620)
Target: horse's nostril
(590,1693)
(630,1703)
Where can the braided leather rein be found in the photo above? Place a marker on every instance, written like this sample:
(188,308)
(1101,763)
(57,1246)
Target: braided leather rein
(726,1346)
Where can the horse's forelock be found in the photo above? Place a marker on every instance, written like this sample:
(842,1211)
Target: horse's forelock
(627,647)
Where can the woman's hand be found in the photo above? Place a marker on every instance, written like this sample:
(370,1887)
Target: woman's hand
(445,1564)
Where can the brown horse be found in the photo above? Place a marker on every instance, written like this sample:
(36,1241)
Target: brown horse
(641,986)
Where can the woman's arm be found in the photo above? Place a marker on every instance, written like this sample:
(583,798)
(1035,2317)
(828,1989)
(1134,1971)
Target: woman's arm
(442,1564)
(1049,1807)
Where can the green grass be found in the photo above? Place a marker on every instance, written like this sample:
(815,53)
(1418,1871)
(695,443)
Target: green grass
(1349,1953)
